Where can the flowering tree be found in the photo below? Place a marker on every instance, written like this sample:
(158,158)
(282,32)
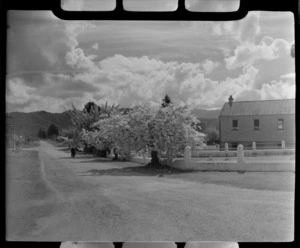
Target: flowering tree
(171,130)
(86,118)
(165,130)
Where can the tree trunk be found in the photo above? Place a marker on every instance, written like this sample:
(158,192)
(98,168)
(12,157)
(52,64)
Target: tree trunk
(154,157)
(116,157)
(169,157)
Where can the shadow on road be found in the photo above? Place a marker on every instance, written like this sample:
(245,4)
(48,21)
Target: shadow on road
(79,157)
(100,160)
(135,171)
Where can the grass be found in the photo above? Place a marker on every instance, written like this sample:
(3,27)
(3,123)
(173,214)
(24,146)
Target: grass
(274,181)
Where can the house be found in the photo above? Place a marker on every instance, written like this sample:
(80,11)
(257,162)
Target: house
(265,122)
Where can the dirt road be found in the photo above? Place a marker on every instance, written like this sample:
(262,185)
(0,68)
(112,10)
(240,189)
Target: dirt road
(53,197)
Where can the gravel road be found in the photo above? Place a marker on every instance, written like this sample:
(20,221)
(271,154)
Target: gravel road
(51,196)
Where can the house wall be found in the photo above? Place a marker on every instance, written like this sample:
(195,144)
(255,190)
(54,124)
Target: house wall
(268,134)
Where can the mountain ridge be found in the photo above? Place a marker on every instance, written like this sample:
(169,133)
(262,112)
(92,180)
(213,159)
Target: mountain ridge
(30,122)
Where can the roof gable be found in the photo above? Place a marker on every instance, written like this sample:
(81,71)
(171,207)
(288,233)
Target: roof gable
(268,107)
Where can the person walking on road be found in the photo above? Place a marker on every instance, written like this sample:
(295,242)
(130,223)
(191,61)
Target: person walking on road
(73,152)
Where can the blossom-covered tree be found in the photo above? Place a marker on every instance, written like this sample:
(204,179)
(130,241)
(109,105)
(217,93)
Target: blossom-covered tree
(165,130)
(86,118)
(91,113)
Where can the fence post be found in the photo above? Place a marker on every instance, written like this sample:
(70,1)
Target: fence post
(283,144)
(226,151)
(187,156)
(112,154)
(254,148)
(240,154)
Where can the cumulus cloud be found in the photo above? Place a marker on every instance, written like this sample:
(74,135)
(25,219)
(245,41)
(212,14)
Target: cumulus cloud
(65,74)
(248,53)
(95,46)
(209,66)
(18,92)
(140,79)
(278,90)
(244,30)
(131,80)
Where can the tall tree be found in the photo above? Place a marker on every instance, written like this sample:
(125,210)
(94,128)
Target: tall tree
(42,134)
(166,101)
(52,131)
(91,106)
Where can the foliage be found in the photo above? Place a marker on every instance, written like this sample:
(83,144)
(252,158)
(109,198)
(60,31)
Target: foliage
(166,129)
(212,135)
(42,134)
(166,101)
(90,114)
(84,123)
(90,106)
(52,131)
(68,132)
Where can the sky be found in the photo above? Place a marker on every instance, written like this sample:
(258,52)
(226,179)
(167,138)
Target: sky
(52,63)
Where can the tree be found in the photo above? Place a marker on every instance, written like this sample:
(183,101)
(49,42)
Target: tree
(159,130)
(42,134)
(90,106)
(212,135)
(166,101)
(68,132)
(198,126)
(84,121)
(52,130)
(90,114)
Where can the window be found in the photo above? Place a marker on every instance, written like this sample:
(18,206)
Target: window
(256,124)
(280,124)
(235,125)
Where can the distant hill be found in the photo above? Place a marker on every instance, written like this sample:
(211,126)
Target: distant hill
(206,114)
(208,118)
(205,123)
(30,123)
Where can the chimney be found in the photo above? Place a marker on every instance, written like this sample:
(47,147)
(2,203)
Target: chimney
(230,100)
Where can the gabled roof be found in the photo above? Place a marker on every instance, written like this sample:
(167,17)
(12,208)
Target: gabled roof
(267,107)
